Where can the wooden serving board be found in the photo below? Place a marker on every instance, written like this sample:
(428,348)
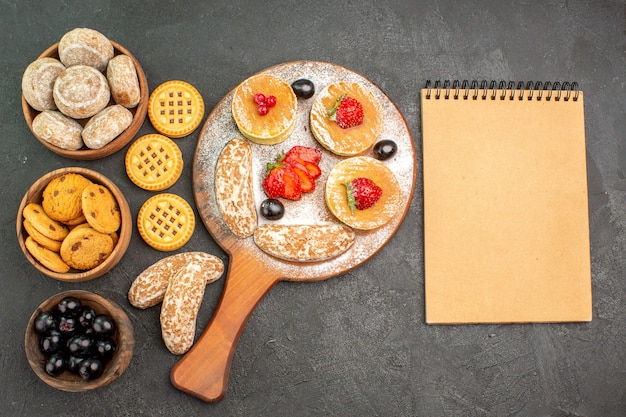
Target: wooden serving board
(203,371)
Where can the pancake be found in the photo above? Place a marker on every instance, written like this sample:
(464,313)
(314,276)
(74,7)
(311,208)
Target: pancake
(354,140)
(273,127)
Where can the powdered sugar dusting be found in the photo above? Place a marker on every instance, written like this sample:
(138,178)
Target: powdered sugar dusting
(311,209)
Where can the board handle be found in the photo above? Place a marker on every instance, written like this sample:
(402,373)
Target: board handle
(203,371)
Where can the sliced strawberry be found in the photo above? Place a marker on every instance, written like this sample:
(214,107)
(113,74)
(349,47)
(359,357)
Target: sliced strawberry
(282,181)
(306,183)
(293,187)
(313,169)
(306,158)
(305,153)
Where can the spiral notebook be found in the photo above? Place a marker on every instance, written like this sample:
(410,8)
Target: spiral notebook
(506,223)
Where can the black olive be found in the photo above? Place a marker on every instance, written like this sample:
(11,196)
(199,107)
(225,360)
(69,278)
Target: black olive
(80,346)
(55,364)
(105,348)
(90,368)
(51,343)
(86,316)
(46,322)
(68,325)
(385,149)
(69,306)
(103,325)
(303,88)
(272,209)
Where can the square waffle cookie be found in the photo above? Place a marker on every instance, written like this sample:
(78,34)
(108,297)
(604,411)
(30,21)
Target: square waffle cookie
(175,108)
(154,162)
(166,222)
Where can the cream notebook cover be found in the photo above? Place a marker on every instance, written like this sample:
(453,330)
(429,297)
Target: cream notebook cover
(506,225)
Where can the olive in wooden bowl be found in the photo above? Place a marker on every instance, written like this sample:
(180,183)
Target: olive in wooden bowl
(84,152)
(79,341)
(74,224)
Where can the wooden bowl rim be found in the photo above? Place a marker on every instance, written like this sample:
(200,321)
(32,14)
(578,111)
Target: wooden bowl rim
(34,195)
(139,114)
(125,341)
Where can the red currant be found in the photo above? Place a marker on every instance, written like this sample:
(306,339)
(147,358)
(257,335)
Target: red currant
(270,101)
(263,109)
(259,98)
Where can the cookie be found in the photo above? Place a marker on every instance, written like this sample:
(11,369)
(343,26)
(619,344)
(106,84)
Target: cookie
(149,287)
(385,209)
(279,121)
(49,259)
(75,222)
(234,187)
(84,46)
(52,229)
(302,242)
(80,92)
(59,130)
(123,81)
(353,140)
(38,80)
(154,162)
(101,209)
(46,242)
(106,125)
(62,197)
(85,248)
(166,222)
(175,108)
(180,307)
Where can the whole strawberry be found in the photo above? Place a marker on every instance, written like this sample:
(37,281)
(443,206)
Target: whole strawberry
(362,193)
(347,112)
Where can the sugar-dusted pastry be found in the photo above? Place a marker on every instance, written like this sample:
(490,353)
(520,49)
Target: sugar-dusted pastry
(84,46)
(304,242)
(38,80)
(234,188)
(81,91)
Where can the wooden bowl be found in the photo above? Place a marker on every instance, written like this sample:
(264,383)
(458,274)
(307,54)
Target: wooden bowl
(34,195)
(68,381)
(139,114)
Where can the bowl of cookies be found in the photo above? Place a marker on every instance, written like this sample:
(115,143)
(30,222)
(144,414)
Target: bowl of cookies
(79,341)
(85,97)
(74,224)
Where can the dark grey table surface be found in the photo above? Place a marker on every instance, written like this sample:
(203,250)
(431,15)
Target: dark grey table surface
(355,345)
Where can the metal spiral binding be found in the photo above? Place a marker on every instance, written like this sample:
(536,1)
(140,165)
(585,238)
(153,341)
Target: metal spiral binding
(538,90)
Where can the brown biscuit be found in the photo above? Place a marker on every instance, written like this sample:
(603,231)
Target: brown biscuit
(180,306)
(123,80)
(46,257)
(59,130)
(43,223)
(85,248)
(75,222)
(84,46)
(81,91)
(100,209)
(304,243)
(38,80)
(62,197)
(106,125)
(149,287)
(234,187)
(46,242)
